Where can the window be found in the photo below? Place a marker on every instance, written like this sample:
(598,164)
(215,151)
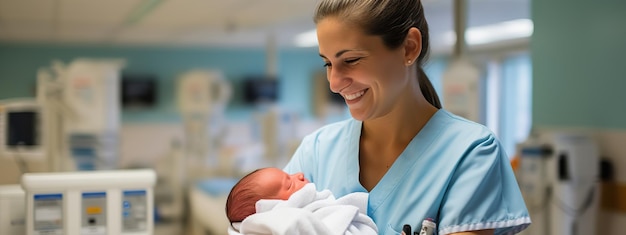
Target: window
(508,99)
(506,94)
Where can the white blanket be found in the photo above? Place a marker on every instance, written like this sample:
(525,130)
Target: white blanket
(309,212)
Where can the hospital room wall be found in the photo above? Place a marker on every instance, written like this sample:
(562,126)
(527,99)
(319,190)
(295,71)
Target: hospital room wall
(295,67)
(579,78)
(578,62)
(157,125)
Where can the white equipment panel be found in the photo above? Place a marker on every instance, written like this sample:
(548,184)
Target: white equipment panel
(116,202)
(558,177)
(12,212)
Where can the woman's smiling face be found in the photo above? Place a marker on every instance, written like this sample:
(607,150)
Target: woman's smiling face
(370,76)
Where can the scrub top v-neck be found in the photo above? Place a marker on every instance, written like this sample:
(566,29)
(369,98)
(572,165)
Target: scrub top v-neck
(453,171)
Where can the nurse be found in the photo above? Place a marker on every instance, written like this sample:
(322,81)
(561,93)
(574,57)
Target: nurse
(417,160)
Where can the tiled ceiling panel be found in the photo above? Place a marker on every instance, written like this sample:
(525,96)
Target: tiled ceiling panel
(26,10)
(200,22)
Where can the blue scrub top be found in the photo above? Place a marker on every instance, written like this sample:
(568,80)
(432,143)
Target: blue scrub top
(453,171)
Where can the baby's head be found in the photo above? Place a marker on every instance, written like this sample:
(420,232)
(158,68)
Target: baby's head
(264,183)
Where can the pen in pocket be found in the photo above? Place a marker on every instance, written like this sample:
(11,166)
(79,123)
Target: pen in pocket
(428,227)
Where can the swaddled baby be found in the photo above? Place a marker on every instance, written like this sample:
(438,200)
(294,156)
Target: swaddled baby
(270,201)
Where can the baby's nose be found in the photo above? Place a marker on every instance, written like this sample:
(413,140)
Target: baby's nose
(300,176)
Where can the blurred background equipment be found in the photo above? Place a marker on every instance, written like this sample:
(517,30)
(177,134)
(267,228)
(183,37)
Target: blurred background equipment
(90,202)
(460,81)
(138,91)
(22,131)
(202,99)
(559,178)
(12,212)
(82,113)
(91,91)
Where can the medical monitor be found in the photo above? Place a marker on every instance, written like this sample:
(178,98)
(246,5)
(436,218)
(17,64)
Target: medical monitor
(260,89)
(21,128)
(138,91)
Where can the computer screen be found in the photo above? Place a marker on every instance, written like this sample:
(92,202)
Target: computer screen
(260,89)
(22,129)
(138,91)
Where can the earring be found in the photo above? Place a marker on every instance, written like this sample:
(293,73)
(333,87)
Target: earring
(409,62)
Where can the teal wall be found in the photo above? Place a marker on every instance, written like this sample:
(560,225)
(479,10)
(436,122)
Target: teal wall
(578,53)
(19,63)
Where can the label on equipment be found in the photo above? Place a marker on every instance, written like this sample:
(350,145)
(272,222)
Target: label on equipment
(48,214)
(134,211)
(93,220)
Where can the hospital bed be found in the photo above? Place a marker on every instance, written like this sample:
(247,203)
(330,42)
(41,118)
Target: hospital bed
(207,201)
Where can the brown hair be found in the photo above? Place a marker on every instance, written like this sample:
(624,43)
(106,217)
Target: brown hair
(241,201)
(389,19)
(242,198)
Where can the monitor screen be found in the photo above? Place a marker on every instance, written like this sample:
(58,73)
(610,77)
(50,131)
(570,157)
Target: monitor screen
(138,91)
(260,90)
(21,129)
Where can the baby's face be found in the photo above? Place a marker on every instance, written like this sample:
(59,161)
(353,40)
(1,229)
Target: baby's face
(283,184)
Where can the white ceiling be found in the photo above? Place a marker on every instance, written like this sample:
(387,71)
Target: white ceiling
(221,23)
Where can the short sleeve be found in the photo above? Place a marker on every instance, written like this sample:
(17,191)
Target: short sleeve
(483,193)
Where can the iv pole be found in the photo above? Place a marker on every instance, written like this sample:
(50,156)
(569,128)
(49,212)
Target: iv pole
(460,80)
(460,23)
